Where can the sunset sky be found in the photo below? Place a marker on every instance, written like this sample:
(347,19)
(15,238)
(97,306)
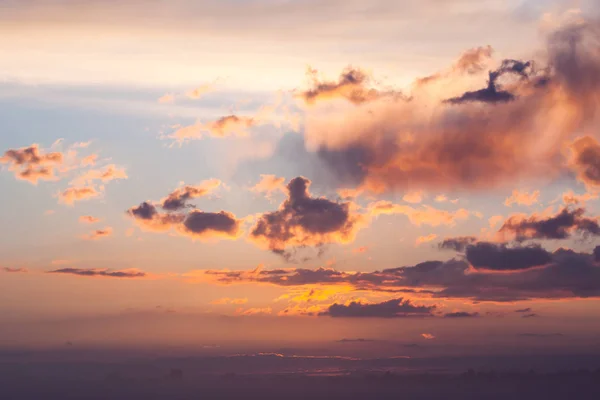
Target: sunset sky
(236,173)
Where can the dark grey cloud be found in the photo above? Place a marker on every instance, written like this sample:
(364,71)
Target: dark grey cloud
(458,244)
(492,93)
(91,272)
(560,226)
(523,310)
(303,220)
(14,270)
(461,314)
(199,222)
(567,274)
(194,223)
(499,257)
(396,308)
(532,315)
(178,199)
(144,211)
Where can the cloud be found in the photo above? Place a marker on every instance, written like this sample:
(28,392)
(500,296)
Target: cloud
(532,315)
(228,125)
(360,250)
(198,92)
(566,275)
(88,219)
(425,215)
(32,164)
(461,314)
(70,195)
(194,223)
(523,310)
(597,253)
(303,220)
(90,160)
(424,239)
(178,198)
(457,243)
(569,197)
(586,160)
(522,198)
(14,270)
(568,221)
(413,197)
(167,98)
(499,257)
(395,308)
(255,311)
(357,340)
(107,174)
(471,62)
(492,94)
(474,146)
(269,184)
(99,234)
(427,336)
(353,85)
(227,300)
(94,272)
(200,224)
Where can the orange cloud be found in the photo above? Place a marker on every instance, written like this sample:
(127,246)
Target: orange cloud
(569,197)
(70,195)
(255,311)
(223,127)
(88,219)
(425,215)
(167,98)
(495,220)
(353,85)
(177,199)
(360,250)
(585,159)
(199,91)
(89,160)
(109,173)
(269,184)
(413,197)
(32,164)
(227,300)
(484,139)
(98,234)
(424,239)
(522,198)
(471,62)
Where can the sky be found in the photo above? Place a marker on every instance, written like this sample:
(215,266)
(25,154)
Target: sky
(242,175)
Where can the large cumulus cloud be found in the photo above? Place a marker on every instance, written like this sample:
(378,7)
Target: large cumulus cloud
(304,220)
(474,141)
